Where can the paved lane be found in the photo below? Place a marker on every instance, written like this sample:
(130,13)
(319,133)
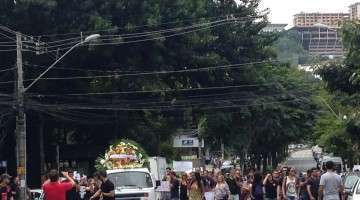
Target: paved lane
(302,160)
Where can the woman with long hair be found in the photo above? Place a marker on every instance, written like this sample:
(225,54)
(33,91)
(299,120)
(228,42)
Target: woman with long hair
(183,187)
(290,187)
(196,191)
(222,191)
(256,189)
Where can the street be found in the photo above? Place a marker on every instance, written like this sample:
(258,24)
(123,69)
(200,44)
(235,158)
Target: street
(302,160)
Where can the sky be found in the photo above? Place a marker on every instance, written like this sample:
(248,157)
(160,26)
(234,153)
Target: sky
(282,11)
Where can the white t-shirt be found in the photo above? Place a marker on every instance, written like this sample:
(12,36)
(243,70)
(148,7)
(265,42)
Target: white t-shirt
(332,184)
(291,187)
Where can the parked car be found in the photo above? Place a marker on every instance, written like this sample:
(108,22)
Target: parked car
(355,191)
(349,180)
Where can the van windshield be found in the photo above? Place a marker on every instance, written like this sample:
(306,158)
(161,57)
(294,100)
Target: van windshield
(131,179)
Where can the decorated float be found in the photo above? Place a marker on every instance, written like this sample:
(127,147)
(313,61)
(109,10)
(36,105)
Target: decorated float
(123,154)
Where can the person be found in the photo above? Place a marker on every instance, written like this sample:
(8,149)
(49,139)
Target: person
(107,188)
(5,190)
(290,188)
(278,180)
(270,187)
(222,191)
(233,186)
(183,187)
(313,184)
(239,181)
(256,188)
(167,173)
(302,185)
(282,174)
(15,187)
(174,187)
(245,189)
(209,184)
(330,183)
(54,189)
(72,194)
(196,191)
(90,188)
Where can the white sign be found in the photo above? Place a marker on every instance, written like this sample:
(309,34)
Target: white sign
(184,141)
(182,166)
(164,187)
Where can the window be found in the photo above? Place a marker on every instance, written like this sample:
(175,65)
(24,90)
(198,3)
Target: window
(131,179)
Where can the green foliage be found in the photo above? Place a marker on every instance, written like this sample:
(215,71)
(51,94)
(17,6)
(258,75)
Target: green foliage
(289,49)
(274,108)
(341,77)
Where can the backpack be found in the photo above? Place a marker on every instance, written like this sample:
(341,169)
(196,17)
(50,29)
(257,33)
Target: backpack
(258,190)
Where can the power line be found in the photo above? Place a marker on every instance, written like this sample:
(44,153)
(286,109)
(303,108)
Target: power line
(143,40)
(232,66)
(145,33)
(163,108)
(155,91)
(8,69)
(160,37)
(188,101)
(142,26)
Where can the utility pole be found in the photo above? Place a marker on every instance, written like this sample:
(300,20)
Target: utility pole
(20,119)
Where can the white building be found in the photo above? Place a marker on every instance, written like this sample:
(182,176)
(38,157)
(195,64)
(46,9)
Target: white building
(355,11)
(270,28)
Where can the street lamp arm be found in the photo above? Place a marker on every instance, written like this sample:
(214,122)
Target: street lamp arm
(51,66)
(87,39)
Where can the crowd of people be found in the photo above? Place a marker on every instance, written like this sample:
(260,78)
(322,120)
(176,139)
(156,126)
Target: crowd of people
(284,183)
(9,187)
(62,186)
(68,188)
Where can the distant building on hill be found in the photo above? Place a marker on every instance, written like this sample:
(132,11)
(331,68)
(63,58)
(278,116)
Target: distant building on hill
(274,28)
(333,20)
(355,11)
(320,40)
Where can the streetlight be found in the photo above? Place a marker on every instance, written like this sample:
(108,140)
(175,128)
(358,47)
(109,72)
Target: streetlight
(21,116)
(87,40)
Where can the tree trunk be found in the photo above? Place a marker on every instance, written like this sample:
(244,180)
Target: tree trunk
(258,161)
(42,148)
(264,163)
(274,161)
(222,149)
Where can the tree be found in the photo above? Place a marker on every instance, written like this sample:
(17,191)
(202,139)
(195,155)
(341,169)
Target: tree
(255,101)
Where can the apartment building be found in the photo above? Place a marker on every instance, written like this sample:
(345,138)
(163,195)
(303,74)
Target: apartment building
(333,20)
(355,11)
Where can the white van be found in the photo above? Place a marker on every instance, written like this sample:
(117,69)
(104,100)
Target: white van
(337,161)
(135,184)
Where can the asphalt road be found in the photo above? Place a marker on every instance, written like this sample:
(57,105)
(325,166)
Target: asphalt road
(302,160)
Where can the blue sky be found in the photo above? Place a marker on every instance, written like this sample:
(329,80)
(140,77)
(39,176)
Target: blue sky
(282,11)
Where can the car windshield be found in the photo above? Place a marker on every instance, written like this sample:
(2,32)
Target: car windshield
(350,181)
(131,179)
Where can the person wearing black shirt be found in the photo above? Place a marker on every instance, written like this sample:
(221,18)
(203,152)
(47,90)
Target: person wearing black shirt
(278,180)
(233,186)
(107,188)
(270,188)
(174,187)
(15,190)
(313,185)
